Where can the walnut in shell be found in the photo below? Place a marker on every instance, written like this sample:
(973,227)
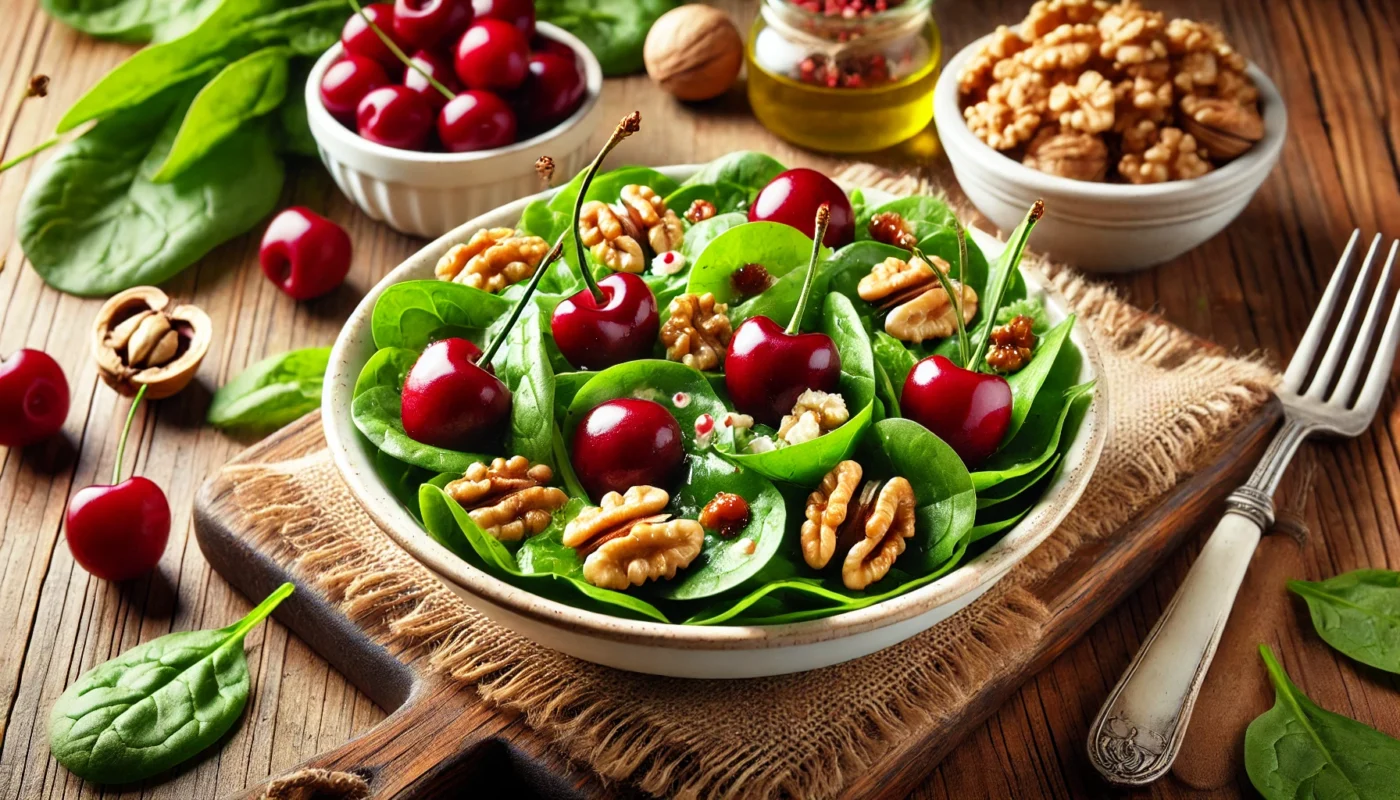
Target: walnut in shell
(140,338)
(694,52)
(1225,129)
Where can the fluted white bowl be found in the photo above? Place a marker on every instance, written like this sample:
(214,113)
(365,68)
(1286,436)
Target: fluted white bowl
(1105,227)
(429,194)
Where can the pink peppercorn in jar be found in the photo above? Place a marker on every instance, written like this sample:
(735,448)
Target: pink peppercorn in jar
(844,75)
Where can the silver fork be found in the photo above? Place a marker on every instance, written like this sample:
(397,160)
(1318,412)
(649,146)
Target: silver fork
(1139,730)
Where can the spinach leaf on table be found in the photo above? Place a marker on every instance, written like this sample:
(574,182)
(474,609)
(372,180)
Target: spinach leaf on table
(614,30)
(272,392)
(453,527)
(244,90)
(156,705)
(93,222)
(747,168)
(1299,750)
(1358,613)
(131,20)
(414,313)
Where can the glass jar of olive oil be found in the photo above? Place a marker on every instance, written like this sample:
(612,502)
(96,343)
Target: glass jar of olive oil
(844,83)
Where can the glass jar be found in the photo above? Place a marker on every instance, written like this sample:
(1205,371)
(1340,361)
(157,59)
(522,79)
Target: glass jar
(843,84)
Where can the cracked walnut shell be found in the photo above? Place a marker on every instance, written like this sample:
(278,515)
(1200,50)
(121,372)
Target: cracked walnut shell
(1225,129)
(931,315)
(492,259)
(601,230)
(697,331)
(141,339)
(888,524)
(649,551)
(826,510)
(508,498)
(1069,154)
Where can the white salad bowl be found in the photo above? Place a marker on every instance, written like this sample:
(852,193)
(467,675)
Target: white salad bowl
(428,194)
(1105,227)
(721,651)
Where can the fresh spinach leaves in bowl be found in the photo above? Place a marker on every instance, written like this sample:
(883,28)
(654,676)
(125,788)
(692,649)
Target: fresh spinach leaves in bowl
(643,535)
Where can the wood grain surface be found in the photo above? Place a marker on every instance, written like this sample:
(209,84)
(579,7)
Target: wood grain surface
(1250,288)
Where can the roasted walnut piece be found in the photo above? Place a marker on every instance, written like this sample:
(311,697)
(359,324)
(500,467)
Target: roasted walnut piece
(697,331)
(1069,154)
(614,516)
(931,315)
(1047,15)
(663,229)
(889,522)
(814,414)
(826,510)
(1132,34)
(751,279)
(492,259)
(1174,156)
(888,227)
(600,229)
(1012,111)
(699,211)
(976,76)
(1087,105)
(508,498)
(1012,344)
(141,339)
(726,514)
(650,551)
(1065,48)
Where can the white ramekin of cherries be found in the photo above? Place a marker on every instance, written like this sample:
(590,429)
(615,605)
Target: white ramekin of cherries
(429,112)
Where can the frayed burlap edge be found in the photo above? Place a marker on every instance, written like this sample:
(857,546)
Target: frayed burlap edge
(604,718)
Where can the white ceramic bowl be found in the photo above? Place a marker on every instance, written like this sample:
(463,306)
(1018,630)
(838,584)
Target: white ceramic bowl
(429,194)
(1105,227)
(683,650)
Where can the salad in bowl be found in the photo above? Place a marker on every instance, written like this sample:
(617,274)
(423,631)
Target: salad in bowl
(656,418)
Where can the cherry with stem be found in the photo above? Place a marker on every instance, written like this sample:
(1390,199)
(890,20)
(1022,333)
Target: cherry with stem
(794,325)
(629,125)
(399,53)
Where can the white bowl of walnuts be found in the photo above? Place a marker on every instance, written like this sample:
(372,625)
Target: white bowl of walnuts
(1144,136)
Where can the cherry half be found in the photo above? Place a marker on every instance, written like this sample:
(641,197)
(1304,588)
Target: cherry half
(424,23)
(358,38)
(768,367)
(395,116)
(450,400)
(492,55)
(792,198)
(624,443)
(475,120)
(623,327)
(969,410)
(33,398)
(551,92)
(346,83)
(304,254)
(119,531)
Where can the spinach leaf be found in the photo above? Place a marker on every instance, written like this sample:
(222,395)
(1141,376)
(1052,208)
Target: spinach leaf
(1040,322)
(1358,613)
(613,29)
(726,563)
(387,367)
(93,222)
(608,186)
(805,464)
(546,553)
(131,20)
(403,480)
(1052,416)
(886,393)
(781,249)
(538,219)
(524,369)
(272,392)
(413,314)
(1026,383)
(654,380)
(746,168)
(566,467)
(702,233)
(244,90)
(947,500)
(924,216)
(725,197)
(896,359)
(984,530)
(453,527)
(378,414)
(1298,750)
(1014,487)
(157,704)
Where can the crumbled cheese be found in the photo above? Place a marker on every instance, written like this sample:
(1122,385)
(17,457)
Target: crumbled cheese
(762,444)
(739,422)
(804,429)
(681,400)
(668,263)
(746,546)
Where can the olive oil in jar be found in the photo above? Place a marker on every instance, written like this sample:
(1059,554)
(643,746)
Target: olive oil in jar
(843,84)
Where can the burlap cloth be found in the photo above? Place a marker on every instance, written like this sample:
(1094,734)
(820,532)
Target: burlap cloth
(804,735)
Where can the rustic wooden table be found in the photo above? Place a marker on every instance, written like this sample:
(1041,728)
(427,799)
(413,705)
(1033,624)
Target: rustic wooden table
(1250,289)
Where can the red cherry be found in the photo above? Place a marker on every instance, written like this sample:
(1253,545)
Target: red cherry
(118,532)
(968,410)
(520,13)
(304,254)
(624,328)
(625,443)
(424,23)
(359,39)
(449,401)
(544,44)
(766,368)
(33,398)
(492,55)
(475,120)
(395,116)
(551,92)
(792,198)
(441,70)
(346,83)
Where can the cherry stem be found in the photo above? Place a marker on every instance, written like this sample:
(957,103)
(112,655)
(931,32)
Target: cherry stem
(31,152)
(823,219)
(629,125)
(554,254)
(126,429)
(399,53)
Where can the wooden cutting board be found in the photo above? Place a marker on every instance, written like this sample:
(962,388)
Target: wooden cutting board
(441,736)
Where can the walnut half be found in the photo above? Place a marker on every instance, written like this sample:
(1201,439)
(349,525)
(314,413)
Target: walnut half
(492,259)
(627,539)
(508,498)
(141,339)
(870,522)
(697,331)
